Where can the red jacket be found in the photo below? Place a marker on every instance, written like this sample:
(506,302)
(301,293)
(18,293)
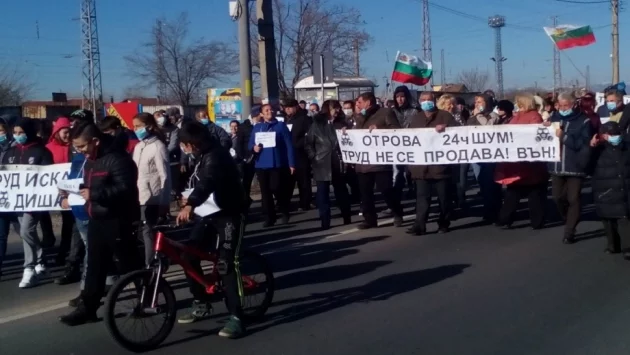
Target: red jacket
(522,173)
(60,151)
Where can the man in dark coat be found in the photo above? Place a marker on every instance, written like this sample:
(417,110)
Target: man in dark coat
(299,125)
(372,117)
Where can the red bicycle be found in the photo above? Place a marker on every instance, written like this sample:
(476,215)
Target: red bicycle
(154,298)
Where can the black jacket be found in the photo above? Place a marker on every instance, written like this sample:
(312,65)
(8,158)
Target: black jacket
(323,149)
(244,133)
(300,126)
(216,172)
(406,111)
(112,180)
(611,180)
(31,153)
(577,134)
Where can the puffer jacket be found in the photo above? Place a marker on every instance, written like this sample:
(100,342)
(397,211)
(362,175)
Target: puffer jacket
(404,112)
(216,172)
(382,118)
(421,120)
(111,177)
(611,180)
(577,134)
(323,149)
(60,151)
(522,173)
(154,173)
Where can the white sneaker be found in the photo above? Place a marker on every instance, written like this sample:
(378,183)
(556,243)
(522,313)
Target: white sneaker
(29,278)
(40,269)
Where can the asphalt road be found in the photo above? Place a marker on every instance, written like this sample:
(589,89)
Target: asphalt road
(476,290)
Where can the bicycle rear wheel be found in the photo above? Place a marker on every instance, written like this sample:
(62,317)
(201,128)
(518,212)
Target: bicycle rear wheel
(127,293)
(258,285)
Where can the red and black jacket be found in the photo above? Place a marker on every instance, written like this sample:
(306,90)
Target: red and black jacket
(112,180)
(30,153)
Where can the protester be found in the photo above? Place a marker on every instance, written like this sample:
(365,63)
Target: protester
(274,165)
(111,196)
(323,151)
(490,191)
(617,110)
(431,177)
(300,125)
(174,115)
(374,117)
(548,110)
(215,174)
(303,105)
(154,177)
(44,131)
(461,113)
(171,134)
(350,175)
(6,218)
(248,170)
(59,146)
(216,132)
(125,137)
(29,150)
(575,131)
(522,179)
(459,172)
(610,180)
(313,109)
(587,106)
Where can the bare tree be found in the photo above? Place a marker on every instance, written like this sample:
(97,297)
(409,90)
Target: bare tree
(304,28)
(15,85)
(474,79)
(183,66)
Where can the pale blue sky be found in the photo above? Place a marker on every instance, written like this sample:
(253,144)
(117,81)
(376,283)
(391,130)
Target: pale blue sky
(53,61)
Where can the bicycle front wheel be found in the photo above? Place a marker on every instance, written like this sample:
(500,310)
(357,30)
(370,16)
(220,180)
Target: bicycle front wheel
(129,303)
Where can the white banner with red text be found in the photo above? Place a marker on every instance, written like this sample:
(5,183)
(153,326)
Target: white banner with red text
(31,188)
(456,145)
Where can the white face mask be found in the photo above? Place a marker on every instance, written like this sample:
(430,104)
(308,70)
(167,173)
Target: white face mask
(347,111)
(161,120)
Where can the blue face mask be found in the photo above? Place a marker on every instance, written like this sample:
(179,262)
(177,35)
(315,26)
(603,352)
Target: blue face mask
(611,106)
(427,105)
(565,113)
(614,140)
(3,138)
(204,121)
(20,138)
(363,112)
(141,133)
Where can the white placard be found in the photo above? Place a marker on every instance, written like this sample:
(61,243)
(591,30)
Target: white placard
(267,139)
(70,185)
(456,145)
(75,199)
(31,188)
(290,127)
(207,208)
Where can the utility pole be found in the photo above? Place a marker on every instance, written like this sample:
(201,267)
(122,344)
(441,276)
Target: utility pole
(557,69)
(92,83)
(442,69)
(427,52)
(357,59)
(614,4)
(588,78)
(244,58)
(161,73)
(267,50)
(497,22)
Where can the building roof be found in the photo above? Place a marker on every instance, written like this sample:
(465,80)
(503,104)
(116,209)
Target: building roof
(351,82)
(70,102)
(452,88)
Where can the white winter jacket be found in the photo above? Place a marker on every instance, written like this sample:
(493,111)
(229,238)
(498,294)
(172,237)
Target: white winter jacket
(154,173)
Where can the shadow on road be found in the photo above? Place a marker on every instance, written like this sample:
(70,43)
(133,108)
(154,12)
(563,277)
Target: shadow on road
(381,289)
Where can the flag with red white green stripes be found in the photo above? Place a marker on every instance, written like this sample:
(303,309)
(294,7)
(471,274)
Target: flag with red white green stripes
(569,36)
(410,69)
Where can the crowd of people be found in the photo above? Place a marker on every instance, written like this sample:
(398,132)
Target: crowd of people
(133,175)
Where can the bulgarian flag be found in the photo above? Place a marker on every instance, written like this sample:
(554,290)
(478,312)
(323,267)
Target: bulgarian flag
(412,70)
(568,36)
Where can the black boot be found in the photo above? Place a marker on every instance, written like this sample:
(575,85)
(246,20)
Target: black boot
(71,275)
(78,317)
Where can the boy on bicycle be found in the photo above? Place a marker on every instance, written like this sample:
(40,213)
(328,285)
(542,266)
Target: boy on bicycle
(215,174)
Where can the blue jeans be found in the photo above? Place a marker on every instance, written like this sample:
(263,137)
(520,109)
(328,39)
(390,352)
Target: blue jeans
(342,198)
